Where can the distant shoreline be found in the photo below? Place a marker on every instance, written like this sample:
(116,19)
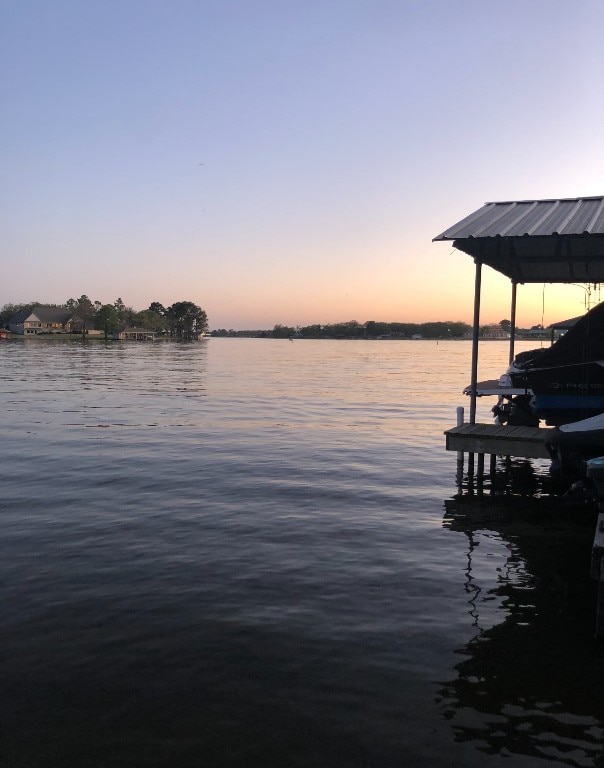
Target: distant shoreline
(58,337)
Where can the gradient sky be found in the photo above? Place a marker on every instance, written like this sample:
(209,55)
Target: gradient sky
(288,161)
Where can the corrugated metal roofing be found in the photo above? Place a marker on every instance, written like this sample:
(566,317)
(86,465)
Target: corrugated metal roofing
(536,218)
(557,241)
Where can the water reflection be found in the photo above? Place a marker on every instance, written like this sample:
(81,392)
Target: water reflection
(505,476)
(530,684)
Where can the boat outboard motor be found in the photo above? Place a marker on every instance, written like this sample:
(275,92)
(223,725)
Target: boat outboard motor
(517,412)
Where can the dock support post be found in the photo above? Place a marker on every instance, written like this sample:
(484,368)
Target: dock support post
(474,377)
(480,472)
(513,322)
(597,559)
(460,419)
(475,337)
(460,455)
(480,467)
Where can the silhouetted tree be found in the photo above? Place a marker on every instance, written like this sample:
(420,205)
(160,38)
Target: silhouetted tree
(83,311)
(106,319)
(186,320)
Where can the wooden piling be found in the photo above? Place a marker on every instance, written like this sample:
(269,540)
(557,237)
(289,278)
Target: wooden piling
(597,572)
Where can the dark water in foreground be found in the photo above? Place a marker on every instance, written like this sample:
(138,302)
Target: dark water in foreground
(247,553)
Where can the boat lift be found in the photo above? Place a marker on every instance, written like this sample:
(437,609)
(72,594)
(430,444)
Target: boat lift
(528,241)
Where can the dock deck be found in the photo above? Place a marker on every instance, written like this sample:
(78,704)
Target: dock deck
(498,440)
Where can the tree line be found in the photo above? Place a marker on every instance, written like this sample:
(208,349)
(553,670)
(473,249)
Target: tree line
(355,330)
(182,320)
(448,329)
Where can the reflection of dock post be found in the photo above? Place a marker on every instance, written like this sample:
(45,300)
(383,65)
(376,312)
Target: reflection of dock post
(480,471)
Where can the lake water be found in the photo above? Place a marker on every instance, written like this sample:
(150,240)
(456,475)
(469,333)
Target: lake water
(249,553)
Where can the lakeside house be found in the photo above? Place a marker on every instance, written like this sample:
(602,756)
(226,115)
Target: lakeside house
(538,333)
(54,320)
(491,332)
(495,331)
(135,334)
(40,319)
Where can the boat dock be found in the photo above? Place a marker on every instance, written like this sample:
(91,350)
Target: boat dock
(528,241)
(498,440)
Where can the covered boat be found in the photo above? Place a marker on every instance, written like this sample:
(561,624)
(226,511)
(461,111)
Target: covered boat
(564,382)
(570,445)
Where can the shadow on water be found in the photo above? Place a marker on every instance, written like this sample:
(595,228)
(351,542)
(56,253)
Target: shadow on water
(228,702)
(531,684)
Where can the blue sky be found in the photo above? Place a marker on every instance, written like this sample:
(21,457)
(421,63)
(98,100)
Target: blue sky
(287,162)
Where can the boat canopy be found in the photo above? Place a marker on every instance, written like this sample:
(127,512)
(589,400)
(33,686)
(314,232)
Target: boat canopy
(536,241)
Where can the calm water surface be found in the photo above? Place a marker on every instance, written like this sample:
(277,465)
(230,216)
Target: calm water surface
(248,553)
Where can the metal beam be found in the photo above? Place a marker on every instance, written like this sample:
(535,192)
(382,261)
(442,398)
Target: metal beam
(513,321)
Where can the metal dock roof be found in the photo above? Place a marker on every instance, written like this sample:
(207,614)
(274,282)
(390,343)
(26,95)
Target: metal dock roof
(555,241)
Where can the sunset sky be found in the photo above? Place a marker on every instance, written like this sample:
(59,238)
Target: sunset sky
(288,161)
